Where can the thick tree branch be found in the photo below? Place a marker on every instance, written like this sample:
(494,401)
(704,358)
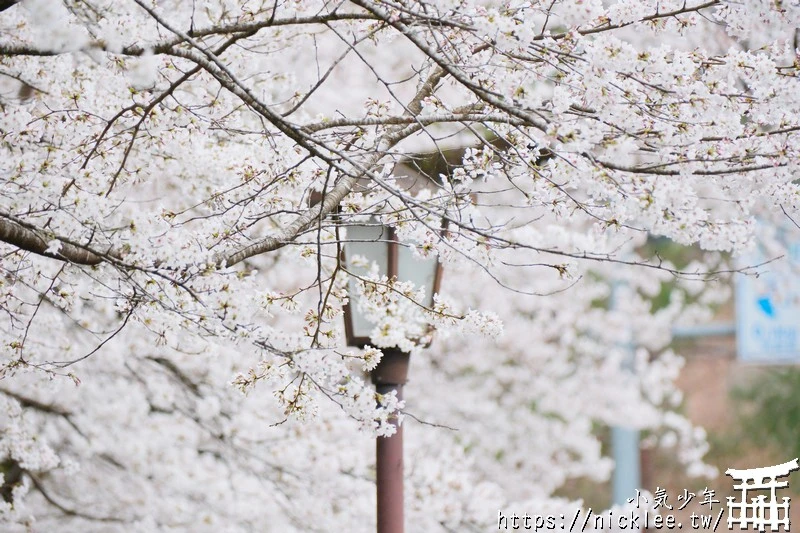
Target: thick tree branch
(63,508)
(167,45)
(608,27)
(32,239)
(36,404)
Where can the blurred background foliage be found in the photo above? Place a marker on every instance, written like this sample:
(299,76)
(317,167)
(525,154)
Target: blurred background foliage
(769,410)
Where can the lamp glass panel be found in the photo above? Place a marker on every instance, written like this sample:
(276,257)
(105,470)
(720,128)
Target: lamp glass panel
(421,272)
(371,243)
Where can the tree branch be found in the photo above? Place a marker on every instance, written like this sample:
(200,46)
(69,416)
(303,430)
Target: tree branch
(28,237)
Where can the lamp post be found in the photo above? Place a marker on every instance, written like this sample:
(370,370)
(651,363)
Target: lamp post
(377,243)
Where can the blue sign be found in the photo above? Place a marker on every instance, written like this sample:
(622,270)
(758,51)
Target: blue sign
(768,307)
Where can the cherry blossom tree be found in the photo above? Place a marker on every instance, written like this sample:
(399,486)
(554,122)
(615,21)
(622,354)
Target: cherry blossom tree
(178,179)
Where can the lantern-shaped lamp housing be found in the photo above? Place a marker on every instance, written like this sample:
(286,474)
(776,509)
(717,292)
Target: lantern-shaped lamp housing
(378,244)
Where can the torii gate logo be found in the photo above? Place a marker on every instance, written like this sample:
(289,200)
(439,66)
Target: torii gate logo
(759,512)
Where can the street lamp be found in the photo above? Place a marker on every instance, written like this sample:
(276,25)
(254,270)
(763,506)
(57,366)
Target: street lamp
(378,244)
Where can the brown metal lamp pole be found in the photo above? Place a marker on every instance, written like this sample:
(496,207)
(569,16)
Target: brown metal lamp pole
(379,245)
(390,375)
